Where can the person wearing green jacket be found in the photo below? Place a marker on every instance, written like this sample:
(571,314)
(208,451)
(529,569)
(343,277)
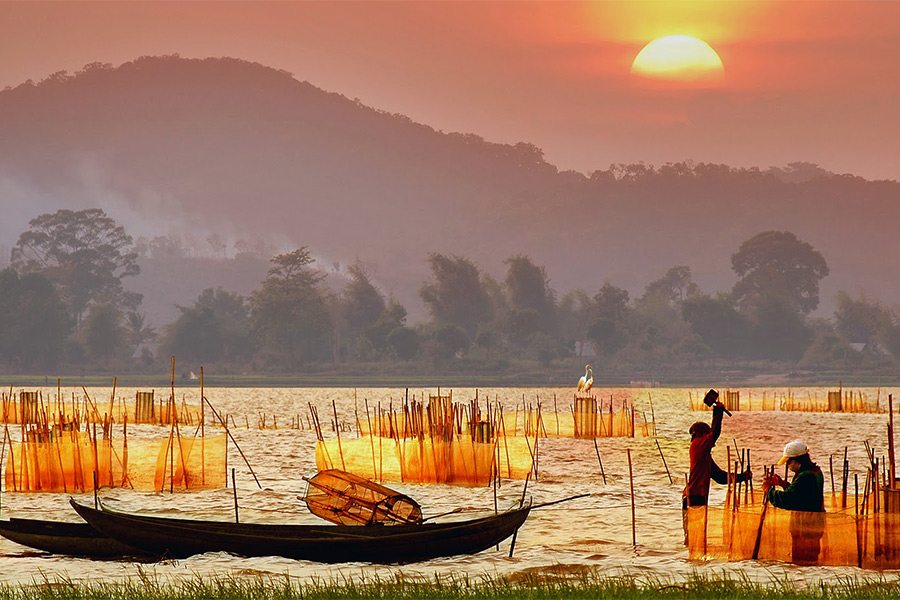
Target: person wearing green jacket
(805,497)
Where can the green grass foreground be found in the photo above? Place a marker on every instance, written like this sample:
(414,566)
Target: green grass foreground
(589,584)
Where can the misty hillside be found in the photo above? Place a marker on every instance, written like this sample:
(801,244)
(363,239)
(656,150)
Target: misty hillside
(170,145)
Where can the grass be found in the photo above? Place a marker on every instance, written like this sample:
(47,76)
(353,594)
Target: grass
(538,586)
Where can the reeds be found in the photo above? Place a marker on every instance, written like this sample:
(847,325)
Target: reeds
(548,584)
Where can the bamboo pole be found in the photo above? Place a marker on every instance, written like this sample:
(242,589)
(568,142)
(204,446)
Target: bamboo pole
(228,433)
(234,492)
(202,433)
(663,461)
(892,482)
(599,460)
(631,483)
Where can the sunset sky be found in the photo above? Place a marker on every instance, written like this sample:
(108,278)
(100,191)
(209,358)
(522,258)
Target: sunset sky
(804,81)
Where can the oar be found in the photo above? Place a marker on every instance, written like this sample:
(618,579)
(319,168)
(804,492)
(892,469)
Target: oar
(512,545)
(452,512)
(543,504)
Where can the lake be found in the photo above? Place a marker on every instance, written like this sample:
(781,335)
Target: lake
(593,532)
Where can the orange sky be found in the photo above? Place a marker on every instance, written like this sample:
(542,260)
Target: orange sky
(805,81)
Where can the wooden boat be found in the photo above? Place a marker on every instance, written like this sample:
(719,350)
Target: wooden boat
(179,538)
(57,537)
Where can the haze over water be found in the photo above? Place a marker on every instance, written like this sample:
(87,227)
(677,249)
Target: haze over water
(588,533)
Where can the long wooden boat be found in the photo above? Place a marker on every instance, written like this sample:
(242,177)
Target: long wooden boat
(179,538)
(57,537)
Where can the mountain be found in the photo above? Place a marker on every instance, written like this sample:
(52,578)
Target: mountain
(227,147)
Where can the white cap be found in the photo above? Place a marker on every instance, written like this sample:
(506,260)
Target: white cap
(793,450)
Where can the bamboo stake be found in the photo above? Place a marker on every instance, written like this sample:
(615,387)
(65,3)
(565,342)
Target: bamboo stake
(663,460)
(202,432)
(891,464)
(599,460)
(228,432)
(234,491)
(631,483)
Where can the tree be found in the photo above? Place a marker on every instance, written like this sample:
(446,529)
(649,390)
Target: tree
(674,287)
(452,340)
(405,342)
(573,315)
(104,333)
(778,331)
(137,331)
(861,320)
(85,253)
(776,263)
(522,324)
(719,325)
(363,303)
(33,321)
(289,315)
(529,289)
(608,328)
(214,328)
(392,317)
(456,296)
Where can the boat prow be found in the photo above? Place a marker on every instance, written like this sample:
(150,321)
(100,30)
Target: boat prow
(58,537)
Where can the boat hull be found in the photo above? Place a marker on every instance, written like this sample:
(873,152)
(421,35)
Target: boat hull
(57,537)
(179,538)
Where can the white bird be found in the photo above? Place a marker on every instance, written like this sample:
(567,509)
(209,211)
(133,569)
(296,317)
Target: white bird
(584,379)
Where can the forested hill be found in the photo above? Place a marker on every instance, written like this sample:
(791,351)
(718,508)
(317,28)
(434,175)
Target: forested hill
(239,149)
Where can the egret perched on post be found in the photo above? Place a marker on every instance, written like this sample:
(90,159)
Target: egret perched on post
(587,380)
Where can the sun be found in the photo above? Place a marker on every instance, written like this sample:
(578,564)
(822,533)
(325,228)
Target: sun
(679,59)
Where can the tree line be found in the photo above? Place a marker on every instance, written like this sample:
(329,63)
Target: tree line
(63,304)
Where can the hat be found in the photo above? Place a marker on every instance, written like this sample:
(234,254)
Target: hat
(793,450)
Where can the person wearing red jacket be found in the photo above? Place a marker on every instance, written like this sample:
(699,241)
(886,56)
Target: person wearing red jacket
(703,467)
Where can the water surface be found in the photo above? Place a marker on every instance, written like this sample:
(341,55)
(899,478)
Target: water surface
(593,532)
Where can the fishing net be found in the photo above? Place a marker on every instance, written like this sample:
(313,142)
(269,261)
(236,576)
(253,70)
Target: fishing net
(587,418)
(64,459)
(457,461)
(845,401)
(837,537)
(33,407)
(347,499)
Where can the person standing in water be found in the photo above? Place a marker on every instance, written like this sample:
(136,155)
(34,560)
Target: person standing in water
(805,496)
(703,467)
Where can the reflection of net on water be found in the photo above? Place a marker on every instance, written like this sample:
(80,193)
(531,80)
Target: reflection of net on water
(837,537)
(844,401)
(64,459)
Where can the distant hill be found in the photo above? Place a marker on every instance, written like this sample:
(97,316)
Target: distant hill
(245,151)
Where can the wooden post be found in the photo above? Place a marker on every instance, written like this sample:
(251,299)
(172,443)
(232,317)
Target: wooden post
(631,482)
